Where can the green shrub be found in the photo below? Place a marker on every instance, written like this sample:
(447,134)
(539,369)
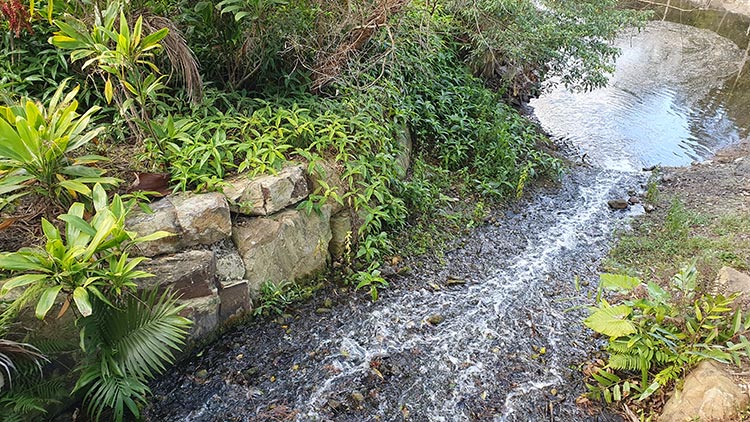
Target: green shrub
(127,338)
(655,335)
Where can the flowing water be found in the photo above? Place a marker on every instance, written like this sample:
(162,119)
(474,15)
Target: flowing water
(490,332)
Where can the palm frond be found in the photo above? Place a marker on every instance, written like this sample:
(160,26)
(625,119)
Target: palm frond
(131,343)
(114,392)
(11,352)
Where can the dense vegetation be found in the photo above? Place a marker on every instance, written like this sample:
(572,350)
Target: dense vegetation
(94,91)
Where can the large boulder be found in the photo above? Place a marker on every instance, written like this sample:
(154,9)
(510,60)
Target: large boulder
(204,218)
(709,394)
(729,281)
(287,246)
(204,312)
(235,299)
(265,195)
(190,274)
(163,217)
(341,234)
(194,220)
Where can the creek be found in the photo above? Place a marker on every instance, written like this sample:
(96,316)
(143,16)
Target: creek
(491,331)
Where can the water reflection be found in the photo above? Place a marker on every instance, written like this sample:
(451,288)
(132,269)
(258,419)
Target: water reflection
(673,99)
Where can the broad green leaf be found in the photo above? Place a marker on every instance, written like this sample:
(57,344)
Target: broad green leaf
(81,298)
(18,262)
(99,197)
(77,223)
(153,236)
(47,300)
(611,321)
(618,282)
(20,281)
(75,186)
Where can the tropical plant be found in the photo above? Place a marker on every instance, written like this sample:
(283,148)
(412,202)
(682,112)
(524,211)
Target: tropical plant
(656,334)
(88,259)
(125,55)
(126,345)
(38,142)
(12,352)
(276,297)
(127,338)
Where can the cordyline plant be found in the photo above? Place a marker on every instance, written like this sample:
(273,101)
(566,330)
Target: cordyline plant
(36,150)
(127,337)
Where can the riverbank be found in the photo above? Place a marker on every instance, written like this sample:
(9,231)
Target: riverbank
(708,203)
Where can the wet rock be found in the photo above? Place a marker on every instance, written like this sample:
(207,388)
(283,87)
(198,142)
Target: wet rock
(617,204)
(163,217)
(235,299)
(287,246)
(708,394)
(435,319)
(742,168)
(204,218)
(454,280)
(265,195)
(191,274)
(341,235)
(193,219)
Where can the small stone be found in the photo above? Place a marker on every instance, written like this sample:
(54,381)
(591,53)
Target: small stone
(553,391)
(358,397)
(617,204)
(649,208)
(323,311)
(667,178)
(202,374)
(634,200)
(435,319)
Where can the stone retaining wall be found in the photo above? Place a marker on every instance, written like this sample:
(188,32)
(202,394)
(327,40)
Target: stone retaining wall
(226,245)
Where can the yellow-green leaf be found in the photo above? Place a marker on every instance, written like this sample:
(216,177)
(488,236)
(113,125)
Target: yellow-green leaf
(46,301)
(81,298)
(108,91)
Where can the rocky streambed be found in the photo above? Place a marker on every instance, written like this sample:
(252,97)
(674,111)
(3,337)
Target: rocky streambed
(489,332)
